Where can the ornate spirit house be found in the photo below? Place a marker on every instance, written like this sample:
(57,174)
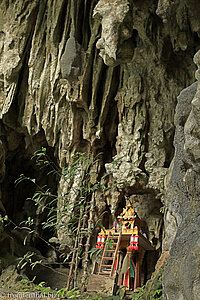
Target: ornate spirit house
(123,249)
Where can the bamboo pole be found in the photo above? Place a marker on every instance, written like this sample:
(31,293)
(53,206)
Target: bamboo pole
(87,245)
(80,242)
(74,252)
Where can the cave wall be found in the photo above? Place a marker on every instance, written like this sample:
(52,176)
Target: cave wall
(104,76)
(182,200)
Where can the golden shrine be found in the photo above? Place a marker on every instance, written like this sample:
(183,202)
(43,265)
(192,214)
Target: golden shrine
(123,248)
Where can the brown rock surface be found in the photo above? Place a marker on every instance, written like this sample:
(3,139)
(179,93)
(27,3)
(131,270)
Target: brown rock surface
(104,76)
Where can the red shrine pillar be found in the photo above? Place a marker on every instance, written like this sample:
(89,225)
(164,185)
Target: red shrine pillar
(139,258)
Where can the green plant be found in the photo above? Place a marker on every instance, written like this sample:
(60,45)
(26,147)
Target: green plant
(72,211)
(157,294)
(139,294)
(72,294)
(23,261)
(113,298)
(26,285)
(95,298)
(27,259)
(97,251)
(121,292)
(143,295)
(5,218)
(162,209)
(42,288)
(72,216)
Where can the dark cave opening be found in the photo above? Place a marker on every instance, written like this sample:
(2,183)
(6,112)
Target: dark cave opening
(106,220)
(59,28)
(17,198)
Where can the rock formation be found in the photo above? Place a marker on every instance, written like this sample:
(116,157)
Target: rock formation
(103,77)
(182,201)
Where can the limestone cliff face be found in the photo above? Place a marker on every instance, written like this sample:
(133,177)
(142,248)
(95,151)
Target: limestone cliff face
(104,76)
(182,200)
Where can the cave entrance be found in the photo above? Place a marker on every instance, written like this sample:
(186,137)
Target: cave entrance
(18,194)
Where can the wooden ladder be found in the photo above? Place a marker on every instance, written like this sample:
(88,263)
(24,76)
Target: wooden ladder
(108,269)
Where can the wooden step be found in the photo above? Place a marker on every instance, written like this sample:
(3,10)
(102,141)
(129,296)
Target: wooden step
(113,242)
